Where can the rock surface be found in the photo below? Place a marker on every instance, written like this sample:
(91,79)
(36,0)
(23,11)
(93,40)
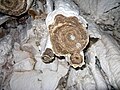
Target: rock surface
(21,50)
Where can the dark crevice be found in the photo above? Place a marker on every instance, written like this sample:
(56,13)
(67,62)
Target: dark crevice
(112,8)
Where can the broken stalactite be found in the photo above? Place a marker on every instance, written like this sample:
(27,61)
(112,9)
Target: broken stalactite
(68,36)
(14,7)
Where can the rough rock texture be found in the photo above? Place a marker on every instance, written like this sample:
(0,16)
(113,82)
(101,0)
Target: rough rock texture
(105,13)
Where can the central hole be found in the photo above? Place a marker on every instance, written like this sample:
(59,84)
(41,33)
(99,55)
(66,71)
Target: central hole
(72,37)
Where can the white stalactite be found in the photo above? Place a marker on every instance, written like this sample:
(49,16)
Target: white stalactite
(66,8)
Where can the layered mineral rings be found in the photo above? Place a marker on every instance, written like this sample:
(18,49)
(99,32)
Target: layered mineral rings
(68,36)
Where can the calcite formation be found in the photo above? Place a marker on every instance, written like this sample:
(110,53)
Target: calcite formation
(67,32)
(68,36)
(37,55)
(48,55)
(14,7)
